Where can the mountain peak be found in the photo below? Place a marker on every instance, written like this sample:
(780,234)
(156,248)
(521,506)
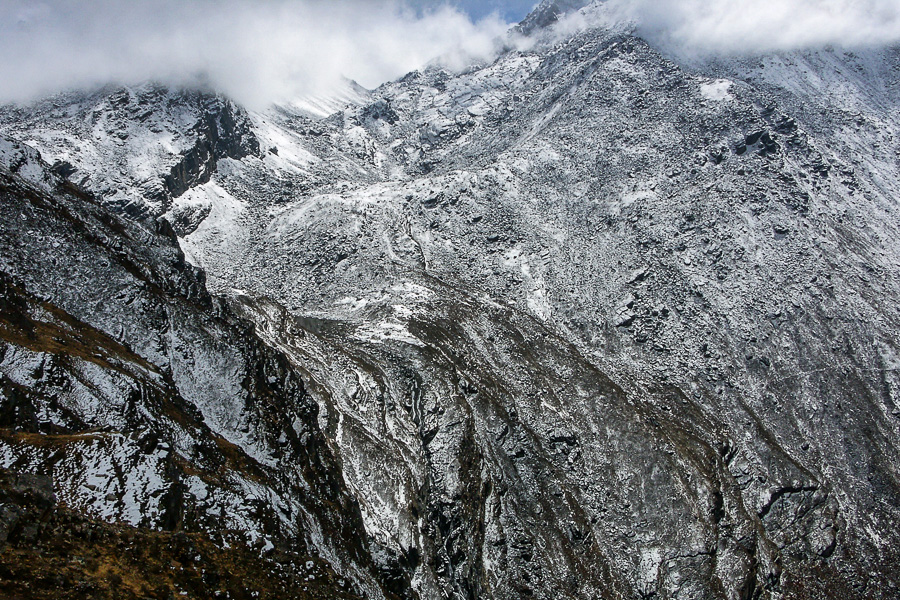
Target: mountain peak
(549,12)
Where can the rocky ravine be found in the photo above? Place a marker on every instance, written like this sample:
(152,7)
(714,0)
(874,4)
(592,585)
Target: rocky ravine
(585,322)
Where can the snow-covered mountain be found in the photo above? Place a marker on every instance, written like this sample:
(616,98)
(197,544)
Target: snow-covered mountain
(589,321)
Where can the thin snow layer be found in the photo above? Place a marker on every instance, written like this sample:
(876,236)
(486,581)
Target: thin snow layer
(219,231)
(405,301)
(25,162)
(106,475)
(325,104)
(284,148)
(718,90)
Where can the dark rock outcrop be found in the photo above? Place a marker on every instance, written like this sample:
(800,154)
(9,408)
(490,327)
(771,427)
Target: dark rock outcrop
(222,131)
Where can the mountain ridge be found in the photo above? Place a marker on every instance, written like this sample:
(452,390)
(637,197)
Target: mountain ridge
(583,322)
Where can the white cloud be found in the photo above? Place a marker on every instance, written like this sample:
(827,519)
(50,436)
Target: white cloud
(261,51)
(695,28)
(257,51)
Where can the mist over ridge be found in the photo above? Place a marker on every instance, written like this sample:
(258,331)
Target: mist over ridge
(277,50)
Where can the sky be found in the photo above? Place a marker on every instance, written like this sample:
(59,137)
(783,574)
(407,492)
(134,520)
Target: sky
(264,51)
(512,11)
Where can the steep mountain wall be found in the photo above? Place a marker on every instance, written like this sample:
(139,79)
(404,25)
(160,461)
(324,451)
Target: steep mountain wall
(149,403)
(584,322)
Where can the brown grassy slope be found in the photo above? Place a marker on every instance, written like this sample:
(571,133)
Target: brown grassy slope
(48,551)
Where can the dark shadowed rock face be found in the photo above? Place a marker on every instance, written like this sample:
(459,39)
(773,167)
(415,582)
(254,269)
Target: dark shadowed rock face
(222,131)
(586,322)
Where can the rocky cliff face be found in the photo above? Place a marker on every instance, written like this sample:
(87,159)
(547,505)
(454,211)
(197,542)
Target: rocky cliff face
(135,148)
(149,403)
(585,322)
